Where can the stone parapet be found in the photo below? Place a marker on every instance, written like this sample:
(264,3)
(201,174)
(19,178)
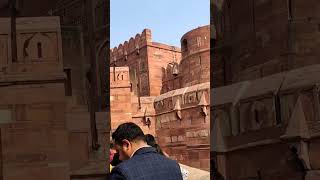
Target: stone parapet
(268,117)
(183,124)
(139,41)
(187,97)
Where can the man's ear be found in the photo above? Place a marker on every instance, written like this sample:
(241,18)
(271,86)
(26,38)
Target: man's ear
(126,143)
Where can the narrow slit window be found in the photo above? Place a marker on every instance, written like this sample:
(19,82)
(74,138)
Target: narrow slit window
(68,85)
(256,116)
(289,9)
(278,109)
(39,46)
(185,45)
(253,17)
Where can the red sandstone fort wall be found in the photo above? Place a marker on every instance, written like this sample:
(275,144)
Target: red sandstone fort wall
(268,72)
(159,56)
(120,96)
(145,116)
(194,67)
(271,37)
(180,116)
(53,130)
(183,123)
(30,118)
(145,60)
(125,105)
(249,120)
(134,55)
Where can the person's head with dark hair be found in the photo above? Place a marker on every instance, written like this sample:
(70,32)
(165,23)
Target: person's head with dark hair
(128,138)
(115,161)
(111,146)
(112,151)
(151,141)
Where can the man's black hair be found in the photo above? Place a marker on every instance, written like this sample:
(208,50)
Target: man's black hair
(129,131)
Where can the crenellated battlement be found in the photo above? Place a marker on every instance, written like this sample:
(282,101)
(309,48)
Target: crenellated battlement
(135,43)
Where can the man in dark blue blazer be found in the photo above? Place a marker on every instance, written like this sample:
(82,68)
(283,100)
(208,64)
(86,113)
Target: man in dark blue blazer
(140,161)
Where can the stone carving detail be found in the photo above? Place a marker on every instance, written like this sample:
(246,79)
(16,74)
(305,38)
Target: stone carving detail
(38,47)
(190,98)
(203,104)
(175,70)
(257,115)
(122,76)
(168,103)
(297,125)
(158,105)
(177,108)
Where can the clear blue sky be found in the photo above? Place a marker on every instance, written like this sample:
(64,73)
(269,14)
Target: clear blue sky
(167,19)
